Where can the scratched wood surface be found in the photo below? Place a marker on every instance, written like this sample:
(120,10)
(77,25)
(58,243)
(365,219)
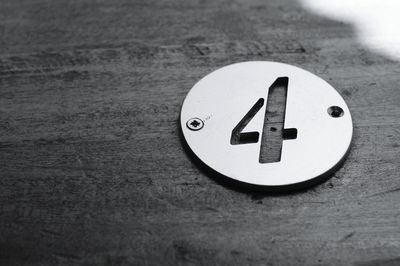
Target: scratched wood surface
(92,169)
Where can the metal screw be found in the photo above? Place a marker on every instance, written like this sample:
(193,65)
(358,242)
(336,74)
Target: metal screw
(195,124)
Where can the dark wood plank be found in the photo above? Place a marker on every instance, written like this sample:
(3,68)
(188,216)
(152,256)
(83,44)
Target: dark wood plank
(92,170)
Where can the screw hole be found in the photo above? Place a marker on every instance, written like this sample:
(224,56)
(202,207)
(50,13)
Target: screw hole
(335,111)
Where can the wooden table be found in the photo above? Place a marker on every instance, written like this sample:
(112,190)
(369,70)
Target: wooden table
(92,168)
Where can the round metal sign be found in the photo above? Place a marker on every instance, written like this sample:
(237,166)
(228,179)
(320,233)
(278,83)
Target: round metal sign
(268,124)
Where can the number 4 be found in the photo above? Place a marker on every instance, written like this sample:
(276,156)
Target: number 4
(273,132)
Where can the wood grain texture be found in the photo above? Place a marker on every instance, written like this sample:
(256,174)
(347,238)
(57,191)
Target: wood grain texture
(92,169)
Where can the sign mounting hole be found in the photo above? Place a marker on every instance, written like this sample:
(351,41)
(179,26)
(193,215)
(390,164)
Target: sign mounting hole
(335,111)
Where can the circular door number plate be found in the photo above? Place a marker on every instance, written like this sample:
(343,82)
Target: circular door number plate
(268,124)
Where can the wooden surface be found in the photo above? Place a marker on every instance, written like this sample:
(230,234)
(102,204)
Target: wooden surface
(92,169)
